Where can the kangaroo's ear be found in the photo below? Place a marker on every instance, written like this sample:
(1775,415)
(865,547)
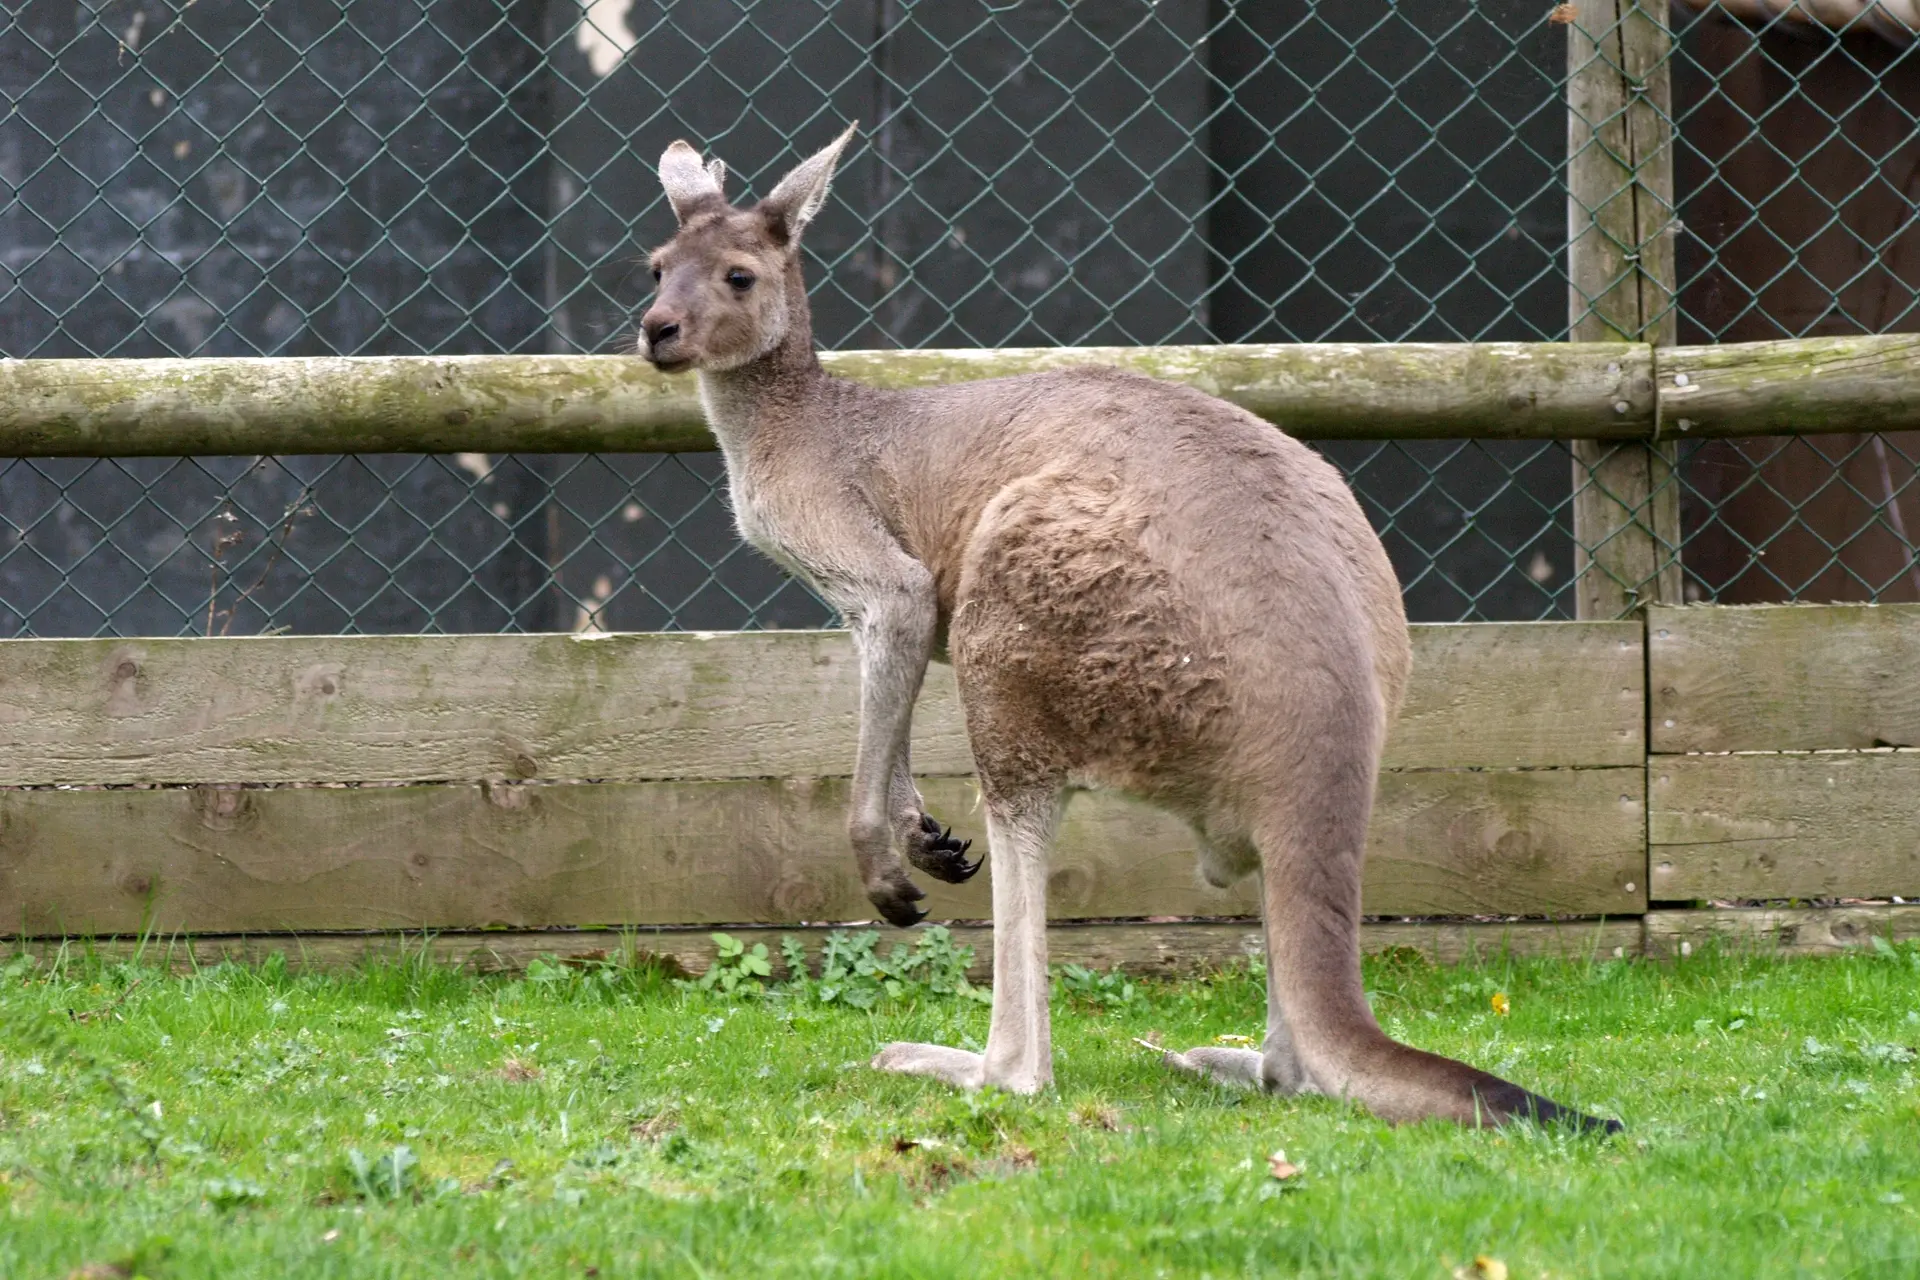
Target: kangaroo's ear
(689,183)
(793,204)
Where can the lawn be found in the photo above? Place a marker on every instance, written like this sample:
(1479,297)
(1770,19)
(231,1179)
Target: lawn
(411,1120)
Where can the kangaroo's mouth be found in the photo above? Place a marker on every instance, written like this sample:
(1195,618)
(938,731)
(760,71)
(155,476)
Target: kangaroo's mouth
(667,364)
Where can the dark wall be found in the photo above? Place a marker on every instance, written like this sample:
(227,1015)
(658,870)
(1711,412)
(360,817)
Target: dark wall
(231,177)
(1800,165)
(223,178)
(1393,172)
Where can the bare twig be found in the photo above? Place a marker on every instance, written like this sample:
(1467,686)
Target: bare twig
(221,542)
(1892,508)
(294,511)
(111,1008)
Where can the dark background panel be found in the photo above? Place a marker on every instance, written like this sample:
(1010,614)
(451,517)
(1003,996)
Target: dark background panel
(237,177)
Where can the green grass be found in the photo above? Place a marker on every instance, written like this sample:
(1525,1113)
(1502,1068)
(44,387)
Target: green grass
(251,1123)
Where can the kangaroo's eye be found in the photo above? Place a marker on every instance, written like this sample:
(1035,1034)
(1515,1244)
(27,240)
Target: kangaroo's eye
(740,280)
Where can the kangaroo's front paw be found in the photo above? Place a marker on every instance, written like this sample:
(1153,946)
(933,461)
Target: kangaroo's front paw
(938,854)
(895,896)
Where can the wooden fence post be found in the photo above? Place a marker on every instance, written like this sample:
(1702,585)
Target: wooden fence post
(1626,504)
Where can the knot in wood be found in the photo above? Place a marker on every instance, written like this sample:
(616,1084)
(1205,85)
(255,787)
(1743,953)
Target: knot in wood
(1070,888)
(505,795)
(222,808)
(798,897)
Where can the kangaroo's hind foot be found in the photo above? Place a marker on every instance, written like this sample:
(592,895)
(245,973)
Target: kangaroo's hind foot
(957,1067)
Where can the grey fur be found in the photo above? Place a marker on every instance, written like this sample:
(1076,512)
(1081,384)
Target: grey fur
(1139,586)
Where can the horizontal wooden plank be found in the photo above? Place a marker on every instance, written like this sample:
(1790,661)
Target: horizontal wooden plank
(767,704)
(1503,694)
(1831,824)
(1801,931)
(1544,842)
(344,404)
(406,708)
(549,404)
(1784,677)
(1139,947)
(1798,386)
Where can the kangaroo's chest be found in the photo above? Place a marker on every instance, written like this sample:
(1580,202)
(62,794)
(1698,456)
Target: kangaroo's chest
(767,519)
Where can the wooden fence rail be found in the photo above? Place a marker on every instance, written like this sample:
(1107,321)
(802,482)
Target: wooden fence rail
(1563,785)
(547,404)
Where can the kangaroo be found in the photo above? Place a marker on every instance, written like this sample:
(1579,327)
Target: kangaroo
(1139,587)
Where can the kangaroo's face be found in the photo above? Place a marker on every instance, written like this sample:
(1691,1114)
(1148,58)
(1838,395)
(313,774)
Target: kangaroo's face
(729,280)
(722,295)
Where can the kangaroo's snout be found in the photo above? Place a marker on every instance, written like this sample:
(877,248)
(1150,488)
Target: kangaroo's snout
(660,329)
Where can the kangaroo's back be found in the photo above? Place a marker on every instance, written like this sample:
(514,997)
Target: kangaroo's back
(1216,496)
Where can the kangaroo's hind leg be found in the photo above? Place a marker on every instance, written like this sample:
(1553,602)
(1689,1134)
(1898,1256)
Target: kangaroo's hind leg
(1019,1056)
(1322,1036)
(1274,1066)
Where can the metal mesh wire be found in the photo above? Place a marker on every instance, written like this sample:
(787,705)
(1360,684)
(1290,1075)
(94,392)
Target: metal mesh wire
(199,177)
(1797,162)
(401,544)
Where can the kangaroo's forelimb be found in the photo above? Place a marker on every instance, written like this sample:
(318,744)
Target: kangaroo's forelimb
(893,616)
(888,600)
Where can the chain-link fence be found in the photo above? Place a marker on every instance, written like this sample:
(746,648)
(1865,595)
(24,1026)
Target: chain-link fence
(277,177)
(1797,166)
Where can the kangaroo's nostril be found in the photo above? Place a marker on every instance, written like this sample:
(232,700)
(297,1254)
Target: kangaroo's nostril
(659,331)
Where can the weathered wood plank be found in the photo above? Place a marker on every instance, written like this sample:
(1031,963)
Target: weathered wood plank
(428,708)
(405,708)
(1827,825)
(1135,947)
(1801,931)
(549,404)
(1803,386)
(1620,173)
(1348,391)
(1784,677)
(1530,842)
(1626,506)
(1523,694)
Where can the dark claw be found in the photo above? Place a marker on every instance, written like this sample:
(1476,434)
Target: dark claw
(902,915)
(896,903)
(941,856)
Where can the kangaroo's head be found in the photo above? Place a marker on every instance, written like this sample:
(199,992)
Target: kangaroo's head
(729,281)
